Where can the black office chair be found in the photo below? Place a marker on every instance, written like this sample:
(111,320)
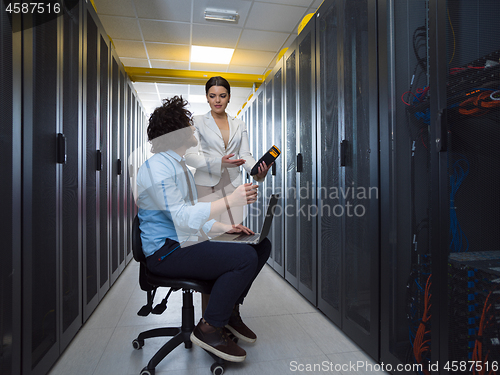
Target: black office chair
(149,282)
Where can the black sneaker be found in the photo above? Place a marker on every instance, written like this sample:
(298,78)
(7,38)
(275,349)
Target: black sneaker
(216,341)
(238,328)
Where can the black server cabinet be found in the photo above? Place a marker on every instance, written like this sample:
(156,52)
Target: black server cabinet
(116,136)
(245,111)
(96,238)
(104,142)
(348,219)
(122,171)
(41,195)
(359,174)
(405,180)
(266,185)
(72,227)
(277,171)
(260,129)
(254,134)
(465,124)
(91,167)
(290,167)
(10,188)
(274,180)
(129,146)
(330,231)
(307,209)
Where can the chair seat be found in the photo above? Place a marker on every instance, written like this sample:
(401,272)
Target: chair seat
(197,285)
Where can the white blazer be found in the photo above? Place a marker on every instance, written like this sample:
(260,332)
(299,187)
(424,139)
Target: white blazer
(206,157)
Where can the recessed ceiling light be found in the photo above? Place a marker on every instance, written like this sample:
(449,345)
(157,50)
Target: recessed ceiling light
(221,15)
(211,55)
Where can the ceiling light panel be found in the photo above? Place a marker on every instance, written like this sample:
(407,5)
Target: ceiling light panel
(211,55)
(221,15)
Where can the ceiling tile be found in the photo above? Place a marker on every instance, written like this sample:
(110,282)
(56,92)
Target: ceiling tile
(197,89)
(244,69)
(126,48)
(165,31)
(163,51)
(164,64)
(144,87)
(209,67)
(115,8)
(245,57)
(121,27)
(262,40)
(264,16)
(138,63)
(167,10)
(240,92)
(172,89)
(239,6)
(215,36)
(146,96)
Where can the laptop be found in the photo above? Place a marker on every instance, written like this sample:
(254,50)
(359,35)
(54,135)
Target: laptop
(256,238)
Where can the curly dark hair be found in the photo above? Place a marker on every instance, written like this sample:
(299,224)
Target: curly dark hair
(172,115)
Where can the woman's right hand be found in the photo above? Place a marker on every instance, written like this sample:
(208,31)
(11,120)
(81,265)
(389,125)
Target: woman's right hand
(244,194)
(231,163)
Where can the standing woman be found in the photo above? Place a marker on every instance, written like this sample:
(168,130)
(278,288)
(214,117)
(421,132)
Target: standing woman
(222,148)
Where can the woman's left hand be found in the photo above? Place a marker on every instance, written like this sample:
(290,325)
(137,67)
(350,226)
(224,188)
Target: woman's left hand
(263,169)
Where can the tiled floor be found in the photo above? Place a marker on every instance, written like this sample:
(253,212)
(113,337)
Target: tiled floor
(292,335)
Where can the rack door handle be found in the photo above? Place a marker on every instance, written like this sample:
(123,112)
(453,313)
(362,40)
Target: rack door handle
(98,157)
(343,152)
(300,165)
(61,149)
(119,167)
(273,169)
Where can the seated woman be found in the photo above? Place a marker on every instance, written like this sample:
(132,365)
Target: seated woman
(171,221)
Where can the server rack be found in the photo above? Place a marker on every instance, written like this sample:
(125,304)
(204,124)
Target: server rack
(10,188)
(70,113)
(330,270)
(55,75)
(260,127)
(405,183)
(91,192)
(253,124)
(290,159)
(41,174)
(360,143)
(274,107)
(104,150)
(306,161)
(465,82)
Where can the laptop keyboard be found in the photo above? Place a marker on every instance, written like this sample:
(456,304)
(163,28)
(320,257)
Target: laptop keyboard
(247,237)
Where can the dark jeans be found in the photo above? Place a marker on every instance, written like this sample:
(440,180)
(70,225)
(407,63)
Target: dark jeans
(233,266)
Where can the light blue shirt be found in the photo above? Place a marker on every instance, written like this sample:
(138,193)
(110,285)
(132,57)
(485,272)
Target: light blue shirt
(164,207)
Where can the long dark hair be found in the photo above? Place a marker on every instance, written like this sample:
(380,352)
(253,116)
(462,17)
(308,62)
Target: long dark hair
(217,81)
(172,115)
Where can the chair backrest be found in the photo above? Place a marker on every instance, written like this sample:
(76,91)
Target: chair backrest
(136,242)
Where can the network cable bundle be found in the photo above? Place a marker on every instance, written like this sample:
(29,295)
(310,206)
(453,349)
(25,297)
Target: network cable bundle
(474,292)
(473,89)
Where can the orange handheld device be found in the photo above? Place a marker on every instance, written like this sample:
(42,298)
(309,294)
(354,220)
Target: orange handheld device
(268,158)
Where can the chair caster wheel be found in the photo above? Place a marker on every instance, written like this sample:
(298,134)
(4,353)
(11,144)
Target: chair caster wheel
(138,344)
(145,371)
(217,368)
